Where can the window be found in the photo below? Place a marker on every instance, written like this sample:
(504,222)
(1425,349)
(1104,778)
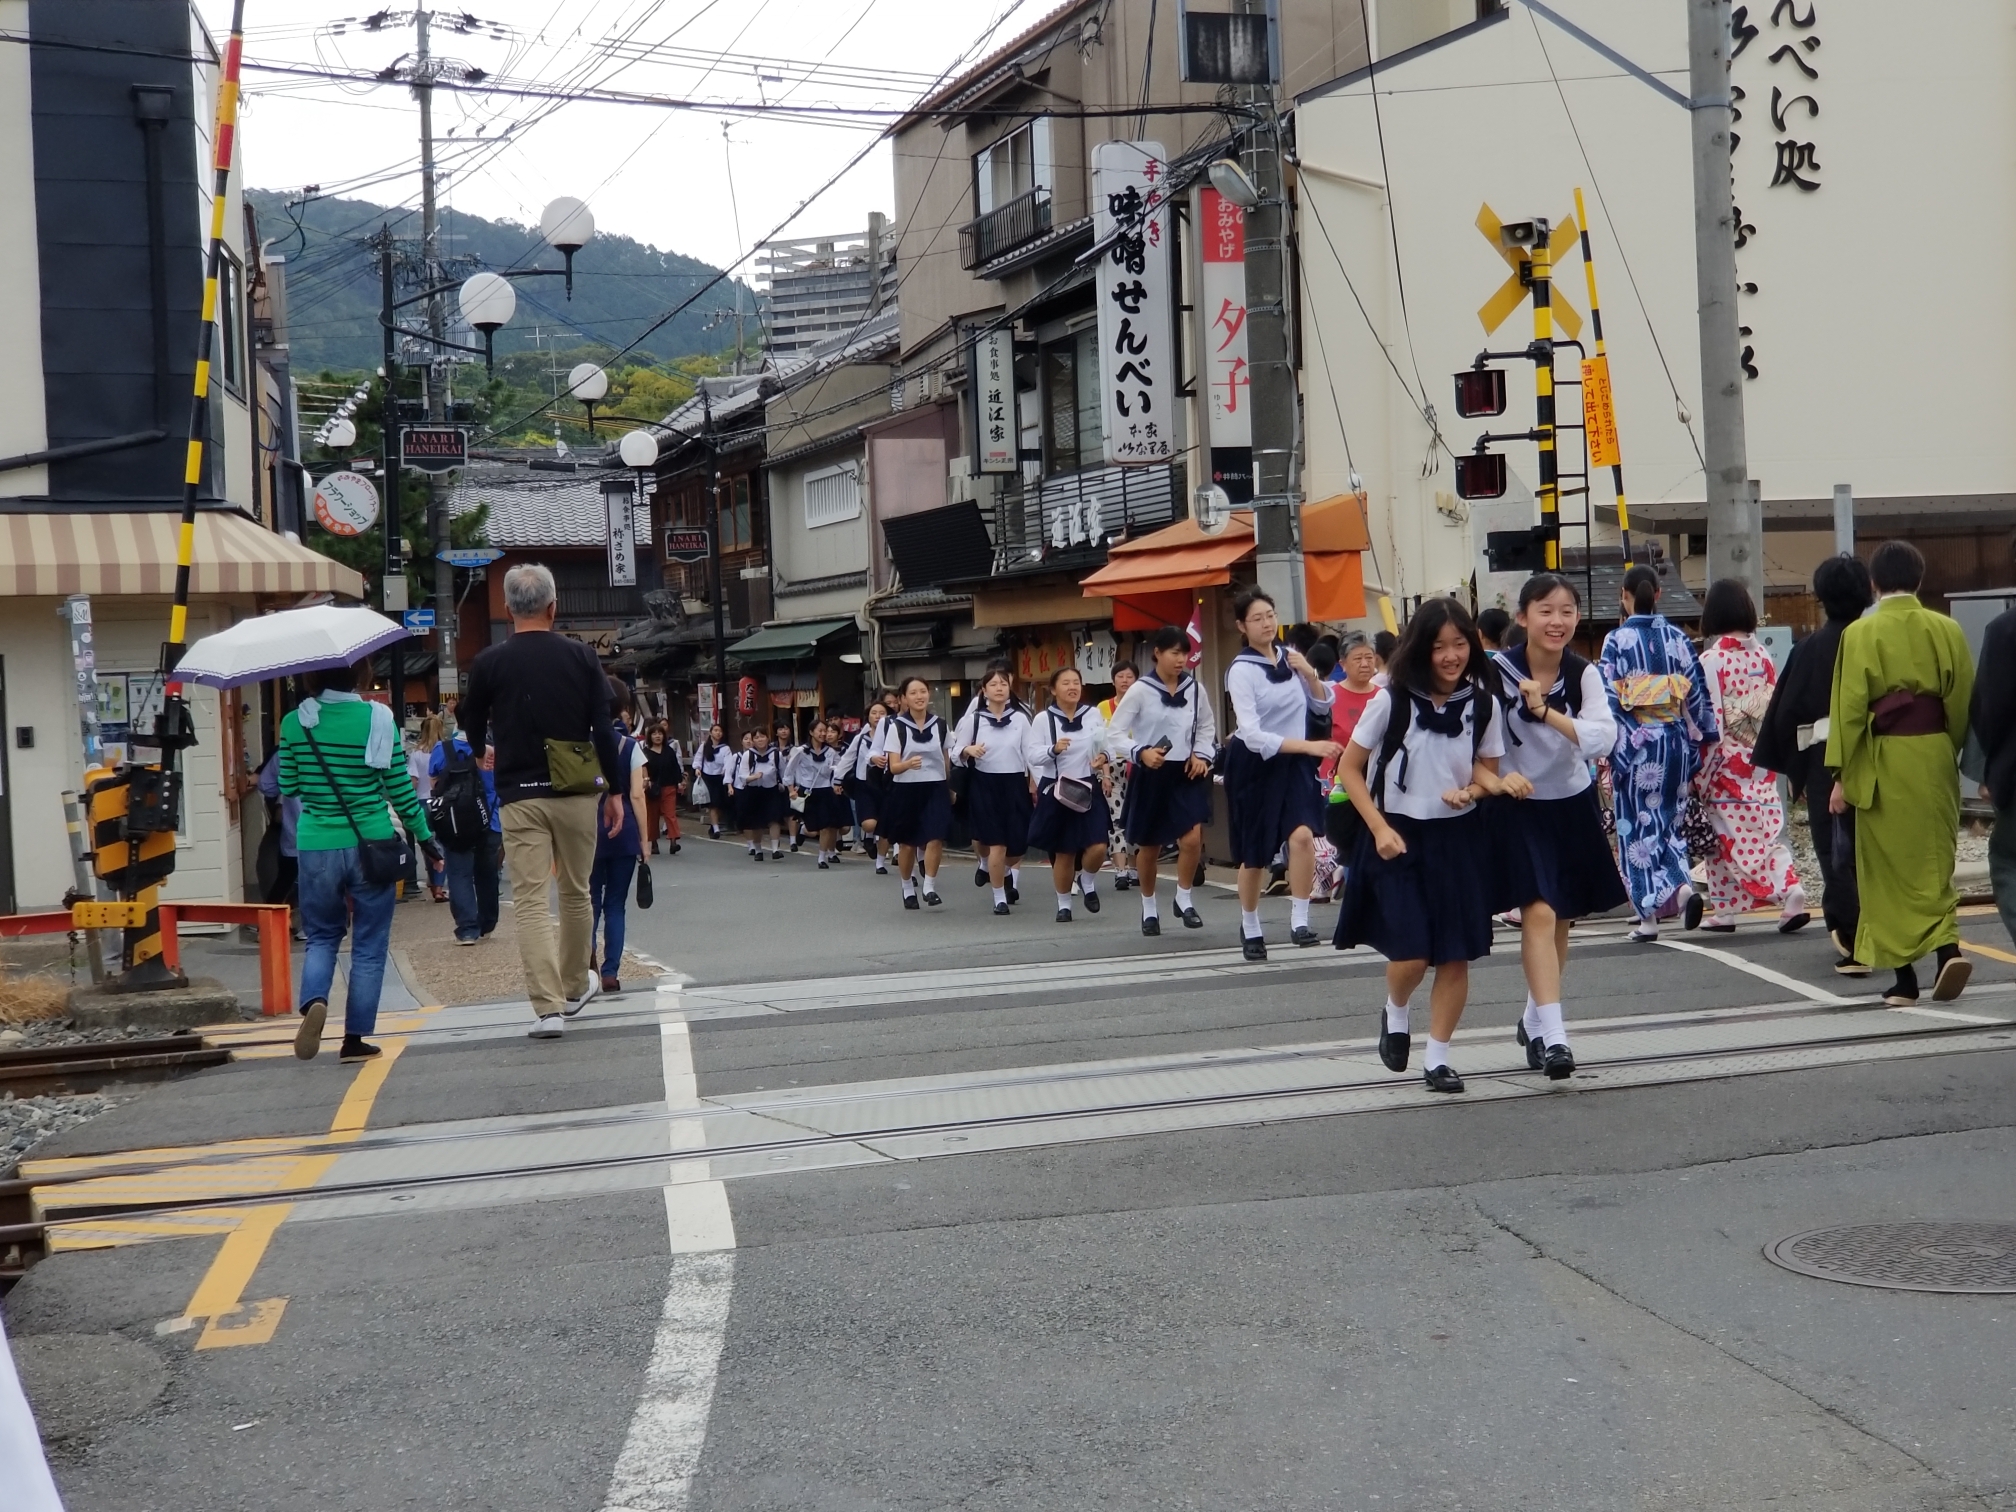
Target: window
(1073,433)
(1019,162)
(736,532)
(832,496)
(231,325)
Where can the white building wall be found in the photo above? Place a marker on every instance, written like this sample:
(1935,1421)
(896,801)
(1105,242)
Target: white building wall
(1883,311)
(23,420)
(802,553)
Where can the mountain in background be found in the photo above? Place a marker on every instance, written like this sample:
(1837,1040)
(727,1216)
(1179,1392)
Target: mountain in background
(620,285)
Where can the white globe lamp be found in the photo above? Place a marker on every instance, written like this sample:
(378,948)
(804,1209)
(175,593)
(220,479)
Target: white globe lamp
(639,449)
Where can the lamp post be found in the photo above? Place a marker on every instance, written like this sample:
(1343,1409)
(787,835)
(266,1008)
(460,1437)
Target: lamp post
(487,301)
(589,384)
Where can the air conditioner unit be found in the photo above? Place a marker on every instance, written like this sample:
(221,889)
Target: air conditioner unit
(941,384)
(959,488)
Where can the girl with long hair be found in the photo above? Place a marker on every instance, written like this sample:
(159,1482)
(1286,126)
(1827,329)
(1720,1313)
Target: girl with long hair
(1164,726)
(1423,885)
(1067,740)
(917,806)
(1554,856)
(760,795)
(713,763)
(989,741)
(867,783)
(815,777)
(1665,724)
(1272,795)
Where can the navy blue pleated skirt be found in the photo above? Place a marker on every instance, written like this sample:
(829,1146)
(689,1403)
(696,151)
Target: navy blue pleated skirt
(1267,800)
(1432,903)
(998,810)
(759,808)
(1061,832)
(1162,805)
(1554,851)
(915,813)
(826,809)
(722,798)
(866,793)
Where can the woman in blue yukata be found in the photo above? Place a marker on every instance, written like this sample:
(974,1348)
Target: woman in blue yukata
(1665,723)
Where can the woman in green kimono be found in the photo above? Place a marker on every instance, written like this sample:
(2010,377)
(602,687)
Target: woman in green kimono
(1897,721)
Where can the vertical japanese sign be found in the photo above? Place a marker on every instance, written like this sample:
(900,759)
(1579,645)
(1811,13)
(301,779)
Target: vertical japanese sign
(993,389)
(1137,357)
(619,501)
(1599,413)
(1227,376)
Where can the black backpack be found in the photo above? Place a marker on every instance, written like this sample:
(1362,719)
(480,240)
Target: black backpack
(458,810)
(1342,823)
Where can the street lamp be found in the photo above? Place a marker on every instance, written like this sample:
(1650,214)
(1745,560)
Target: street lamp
(590,385)
(638,449)
(1230,180)
(487,301)
(339,433)
(567,224)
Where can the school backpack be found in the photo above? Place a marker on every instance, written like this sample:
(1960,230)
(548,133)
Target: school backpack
(458,811)
(1342,822)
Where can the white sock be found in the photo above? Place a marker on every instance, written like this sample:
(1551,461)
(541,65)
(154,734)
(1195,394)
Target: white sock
(1438,1053)
(909,888)
(1000,895)
(1530,1019)
(1249,923)
(930,887)
(1063,902)
(1298,913)
(1148,908)
(1015,876)
(1552,1030)
(1182,899)
(1396,1017)
(1088,882)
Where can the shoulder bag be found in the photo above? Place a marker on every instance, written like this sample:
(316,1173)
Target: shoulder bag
(381,861)
(1073,793)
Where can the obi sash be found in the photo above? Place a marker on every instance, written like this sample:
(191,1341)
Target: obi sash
(1654,698)
(1906,713)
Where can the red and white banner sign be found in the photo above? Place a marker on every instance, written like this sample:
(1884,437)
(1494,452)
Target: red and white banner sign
(1223,287)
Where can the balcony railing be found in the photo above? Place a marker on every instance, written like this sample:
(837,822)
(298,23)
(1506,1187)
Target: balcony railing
(1021,220)
(1083,509)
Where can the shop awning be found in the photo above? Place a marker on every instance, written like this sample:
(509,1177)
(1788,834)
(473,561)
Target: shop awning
(64,552)
(787,642)
(1180,556)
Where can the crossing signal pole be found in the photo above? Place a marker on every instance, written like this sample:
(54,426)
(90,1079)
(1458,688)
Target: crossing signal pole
(1543,387)
(1596,394)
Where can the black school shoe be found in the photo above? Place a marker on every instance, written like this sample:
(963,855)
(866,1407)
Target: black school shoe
(1014,892)
(1191,918)
(1063,916)
(1001,910)
(1091,902)
(1302,934)
(1442,1079)
(1393,1048)
(1151,927)
(932,899)
(979,876)
(1535,1051)
(1559,1063)
(910,901)
(1253,947)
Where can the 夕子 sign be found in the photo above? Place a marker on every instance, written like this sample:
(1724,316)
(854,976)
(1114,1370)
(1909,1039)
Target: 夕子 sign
(433,448)
(1227,374)
(1137,358)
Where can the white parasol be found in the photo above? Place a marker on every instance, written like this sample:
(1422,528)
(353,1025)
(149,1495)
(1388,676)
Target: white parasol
(286,643)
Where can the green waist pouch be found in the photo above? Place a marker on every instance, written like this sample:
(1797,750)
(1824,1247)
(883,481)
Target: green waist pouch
(574,768)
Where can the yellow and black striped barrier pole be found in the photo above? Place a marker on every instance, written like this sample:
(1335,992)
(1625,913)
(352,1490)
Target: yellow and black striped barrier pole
(1598,403)
(1543,400)
(140,815)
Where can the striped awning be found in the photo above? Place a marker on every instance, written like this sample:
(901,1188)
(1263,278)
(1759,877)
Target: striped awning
(59,553)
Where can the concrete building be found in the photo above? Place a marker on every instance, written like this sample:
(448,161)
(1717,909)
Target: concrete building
(1847,152)
(105,152)
(820,289)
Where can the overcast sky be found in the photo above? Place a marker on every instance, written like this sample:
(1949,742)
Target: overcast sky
(661,176)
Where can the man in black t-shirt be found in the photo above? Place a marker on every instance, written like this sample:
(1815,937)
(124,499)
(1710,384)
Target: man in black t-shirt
(524,696)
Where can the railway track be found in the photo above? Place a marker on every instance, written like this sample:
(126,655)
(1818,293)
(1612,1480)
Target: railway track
(86,1068)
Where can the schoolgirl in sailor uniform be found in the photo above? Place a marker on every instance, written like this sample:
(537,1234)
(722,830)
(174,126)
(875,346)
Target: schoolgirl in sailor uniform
(1163,724)
(761,796)
(815,776)
(1554,859)
(917,805)
(1066,744)
(865,783)
(988,741)
(715,761)
(784,741)
(1272,794)
(1422,886)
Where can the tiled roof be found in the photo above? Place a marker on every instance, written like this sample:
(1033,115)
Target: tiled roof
(566,512)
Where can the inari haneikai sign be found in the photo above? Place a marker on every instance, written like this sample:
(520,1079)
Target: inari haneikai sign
(1137,356)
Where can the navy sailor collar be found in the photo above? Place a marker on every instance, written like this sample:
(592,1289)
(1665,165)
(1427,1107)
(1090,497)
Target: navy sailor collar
(1276,668)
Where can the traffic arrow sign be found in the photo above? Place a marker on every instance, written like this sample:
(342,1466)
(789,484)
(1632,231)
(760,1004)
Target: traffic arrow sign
(418,619)
(469,556)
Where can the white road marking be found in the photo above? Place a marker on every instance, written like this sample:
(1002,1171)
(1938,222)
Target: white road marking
(1762,973)
(661,1452)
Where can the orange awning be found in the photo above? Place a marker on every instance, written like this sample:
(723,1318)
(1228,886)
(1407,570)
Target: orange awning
(1336,524)
(1178,557)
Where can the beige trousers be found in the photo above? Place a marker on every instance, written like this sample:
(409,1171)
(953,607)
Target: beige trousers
(551,839)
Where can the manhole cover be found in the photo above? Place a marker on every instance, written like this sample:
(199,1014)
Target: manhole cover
(1933,1257)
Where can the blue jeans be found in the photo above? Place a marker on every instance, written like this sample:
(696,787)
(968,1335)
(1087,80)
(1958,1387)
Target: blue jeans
(335,898)
(609,895)
(472,886)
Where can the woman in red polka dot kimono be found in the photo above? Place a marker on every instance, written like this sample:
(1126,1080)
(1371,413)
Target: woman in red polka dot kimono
(1752,865)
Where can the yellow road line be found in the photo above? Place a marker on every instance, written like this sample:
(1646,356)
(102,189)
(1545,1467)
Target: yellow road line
(1987,950)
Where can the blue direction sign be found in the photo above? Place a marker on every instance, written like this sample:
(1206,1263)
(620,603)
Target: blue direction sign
(418,619)
(469,556)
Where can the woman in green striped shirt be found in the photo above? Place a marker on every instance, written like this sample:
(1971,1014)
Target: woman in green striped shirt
(339,754)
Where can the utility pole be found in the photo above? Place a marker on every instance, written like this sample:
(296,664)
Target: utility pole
(392,600)
(437,327)
(714,556)
(1735,520)
(1271,364)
